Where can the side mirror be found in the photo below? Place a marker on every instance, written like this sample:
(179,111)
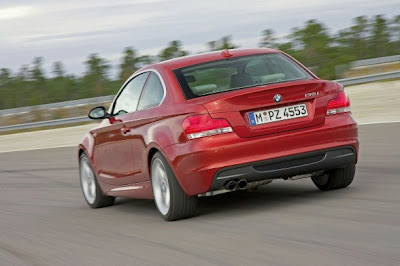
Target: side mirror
(98,112)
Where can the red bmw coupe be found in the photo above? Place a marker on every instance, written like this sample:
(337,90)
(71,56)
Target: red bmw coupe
(217,122)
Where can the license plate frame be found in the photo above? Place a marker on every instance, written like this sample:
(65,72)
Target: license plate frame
(278,114)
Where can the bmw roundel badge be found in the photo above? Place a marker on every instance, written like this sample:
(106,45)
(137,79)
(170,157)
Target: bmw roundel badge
(277,98)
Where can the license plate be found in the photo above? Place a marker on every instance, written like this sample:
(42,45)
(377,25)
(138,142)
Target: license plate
(278,114)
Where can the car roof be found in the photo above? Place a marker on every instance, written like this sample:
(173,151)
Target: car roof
(210,56)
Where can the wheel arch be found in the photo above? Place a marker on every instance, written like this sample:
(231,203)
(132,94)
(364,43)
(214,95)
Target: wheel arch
(86,146)
(152,151)
(150,155)
(80,151)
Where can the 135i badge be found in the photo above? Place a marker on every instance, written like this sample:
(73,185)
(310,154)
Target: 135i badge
(311,94)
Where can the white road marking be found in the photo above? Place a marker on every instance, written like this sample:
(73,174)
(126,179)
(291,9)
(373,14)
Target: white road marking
(45,139)
(379,122)
(41,148)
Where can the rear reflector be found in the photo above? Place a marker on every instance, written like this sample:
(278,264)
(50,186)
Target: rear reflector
(203,126)
(341,104)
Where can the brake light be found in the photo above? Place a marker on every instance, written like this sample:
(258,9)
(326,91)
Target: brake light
(203,126)
(341,104)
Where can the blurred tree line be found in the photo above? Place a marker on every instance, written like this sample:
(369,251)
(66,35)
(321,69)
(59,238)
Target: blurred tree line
(312,44)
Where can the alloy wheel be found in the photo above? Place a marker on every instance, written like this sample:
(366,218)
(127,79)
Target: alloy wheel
(87,181)
(161,187)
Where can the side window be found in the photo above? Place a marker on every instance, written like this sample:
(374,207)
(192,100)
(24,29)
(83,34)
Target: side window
(128,99)
(153,93)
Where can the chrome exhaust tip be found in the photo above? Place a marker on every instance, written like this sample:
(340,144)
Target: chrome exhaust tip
(231,185)
(242,184)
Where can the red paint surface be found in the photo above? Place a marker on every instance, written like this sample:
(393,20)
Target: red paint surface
(123,159)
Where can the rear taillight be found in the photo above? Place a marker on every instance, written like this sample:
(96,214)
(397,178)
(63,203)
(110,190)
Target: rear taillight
(203,126)
(341,104)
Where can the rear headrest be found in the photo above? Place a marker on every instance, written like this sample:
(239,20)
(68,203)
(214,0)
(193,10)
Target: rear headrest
(241,80)
(204,89)
(271,78)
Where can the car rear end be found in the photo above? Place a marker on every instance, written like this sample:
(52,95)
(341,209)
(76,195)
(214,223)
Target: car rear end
(267,117)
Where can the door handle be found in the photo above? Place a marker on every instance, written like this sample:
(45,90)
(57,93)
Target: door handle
(125,131)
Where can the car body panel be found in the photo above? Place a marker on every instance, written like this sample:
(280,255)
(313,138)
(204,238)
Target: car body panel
(235,105)
(113,153)
(122,161)
(195,170)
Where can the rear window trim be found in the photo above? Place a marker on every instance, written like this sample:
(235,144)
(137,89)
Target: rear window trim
(188,94)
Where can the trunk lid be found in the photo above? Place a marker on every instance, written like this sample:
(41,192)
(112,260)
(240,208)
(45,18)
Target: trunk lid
(235,106)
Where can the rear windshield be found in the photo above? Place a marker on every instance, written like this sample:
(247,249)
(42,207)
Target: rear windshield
(238,73)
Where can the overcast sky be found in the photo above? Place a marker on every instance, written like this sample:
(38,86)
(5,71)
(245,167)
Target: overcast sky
(69,31)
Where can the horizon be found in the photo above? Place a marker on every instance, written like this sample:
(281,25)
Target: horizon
(101,28)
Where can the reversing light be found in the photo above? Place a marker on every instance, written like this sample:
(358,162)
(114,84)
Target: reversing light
(200,126)
(341,104)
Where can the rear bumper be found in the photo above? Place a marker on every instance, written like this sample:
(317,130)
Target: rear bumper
(287,166)
(197,163)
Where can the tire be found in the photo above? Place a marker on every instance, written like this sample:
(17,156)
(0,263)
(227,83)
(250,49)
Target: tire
(336,178)
(90,187)
(171,201)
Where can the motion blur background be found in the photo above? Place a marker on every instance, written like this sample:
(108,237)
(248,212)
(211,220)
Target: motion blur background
(52,51)
(57,51)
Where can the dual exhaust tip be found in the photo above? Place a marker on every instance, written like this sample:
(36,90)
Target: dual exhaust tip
(236,185)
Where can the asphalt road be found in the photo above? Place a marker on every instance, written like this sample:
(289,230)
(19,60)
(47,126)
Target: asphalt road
(45,221)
